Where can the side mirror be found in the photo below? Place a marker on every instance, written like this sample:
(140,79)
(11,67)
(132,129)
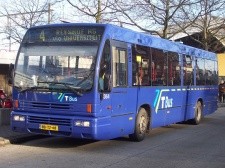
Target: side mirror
(10,74)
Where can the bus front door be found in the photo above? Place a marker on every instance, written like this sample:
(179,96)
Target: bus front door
(122,118)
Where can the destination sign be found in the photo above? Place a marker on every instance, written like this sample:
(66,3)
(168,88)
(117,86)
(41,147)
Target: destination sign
(64,34)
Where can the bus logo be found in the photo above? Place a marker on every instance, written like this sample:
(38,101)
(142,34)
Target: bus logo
(165,101)
(64,96)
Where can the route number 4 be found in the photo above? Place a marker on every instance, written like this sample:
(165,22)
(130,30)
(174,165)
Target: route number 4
(42,35)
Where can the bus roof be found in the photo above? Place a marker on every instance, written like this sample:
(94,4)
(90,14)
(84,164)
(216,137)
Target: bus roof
(140,38)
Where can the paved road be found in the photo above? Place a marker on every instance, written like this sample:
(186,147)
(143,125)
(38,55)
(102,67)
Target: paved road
(175,146)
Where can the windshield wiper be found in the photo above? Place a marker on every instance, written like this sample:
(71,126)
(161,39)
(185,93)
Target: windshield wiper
(66,85)
(86,77)
(72,89)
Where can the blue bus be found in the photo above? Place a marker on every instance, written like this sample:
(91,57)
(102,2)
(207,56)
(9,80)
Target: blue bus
(101,81)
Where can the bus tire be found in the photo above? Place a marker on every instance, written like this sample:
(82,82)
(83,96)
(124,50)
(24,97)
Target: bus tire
(198,114)
(141,126)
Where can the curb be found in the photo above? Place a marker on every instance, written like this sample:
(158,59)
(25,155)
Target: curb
(4,142)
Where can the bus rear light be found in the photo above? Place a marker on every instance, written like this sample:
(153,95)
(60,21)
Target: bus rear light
(89,108)
(16,103)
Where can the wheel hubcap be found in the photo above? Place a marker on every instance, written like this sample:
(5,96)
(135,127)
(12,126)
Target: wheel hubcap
(143,124)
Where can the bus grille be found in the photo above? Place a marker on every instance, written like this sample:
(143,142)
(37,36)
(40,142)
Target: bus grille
(48,120)
(44,106)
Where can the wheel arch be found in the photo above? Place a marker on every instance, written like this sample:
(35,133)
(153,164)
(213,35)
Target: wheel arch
(200,99)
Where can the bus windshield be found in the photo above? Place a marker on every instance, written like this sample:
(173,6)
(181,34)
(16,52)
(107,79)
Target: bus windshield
(56,67)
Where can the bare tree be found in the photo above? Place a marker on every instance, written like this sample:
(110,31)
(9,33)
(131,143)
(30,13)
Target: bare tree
(97,11)
(22,14)
(153,17)
(145,15)
(202,20)
(207,31)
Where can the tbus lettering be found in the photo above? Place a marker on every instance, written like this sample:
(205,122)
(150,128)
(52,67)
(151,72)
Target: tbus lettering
(166,102)
(70,98)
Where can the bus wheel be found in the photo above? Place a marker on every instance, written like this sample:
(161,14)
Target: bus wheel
(141,126)
(198,114)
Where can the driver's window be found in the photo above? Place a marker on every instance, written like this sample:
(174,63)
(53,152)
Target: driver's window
(105,69)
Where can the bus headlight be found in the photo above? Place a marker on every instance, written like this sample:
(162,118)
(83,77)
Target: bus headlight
(22,118)
(82,123)
(16,118)
(78,123)
(19,118)
(86,124)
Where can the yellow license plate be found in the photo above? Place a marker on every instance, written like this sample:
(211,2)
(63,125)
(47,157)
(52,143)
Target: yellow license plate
(49,127)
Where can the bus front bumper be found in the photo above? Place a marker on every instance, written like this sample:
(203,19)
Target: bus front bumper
(67,126)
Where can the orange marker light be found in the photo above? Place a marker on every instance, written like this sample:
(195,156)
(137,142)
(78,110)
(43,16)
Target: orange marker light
(16,103)
(89,108)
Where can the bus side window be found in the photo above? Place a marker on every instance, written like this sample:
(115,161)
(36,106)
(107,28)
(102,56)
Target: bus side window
(141,58)
(174,72)
(200,68)
(159,61)
(188,63)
